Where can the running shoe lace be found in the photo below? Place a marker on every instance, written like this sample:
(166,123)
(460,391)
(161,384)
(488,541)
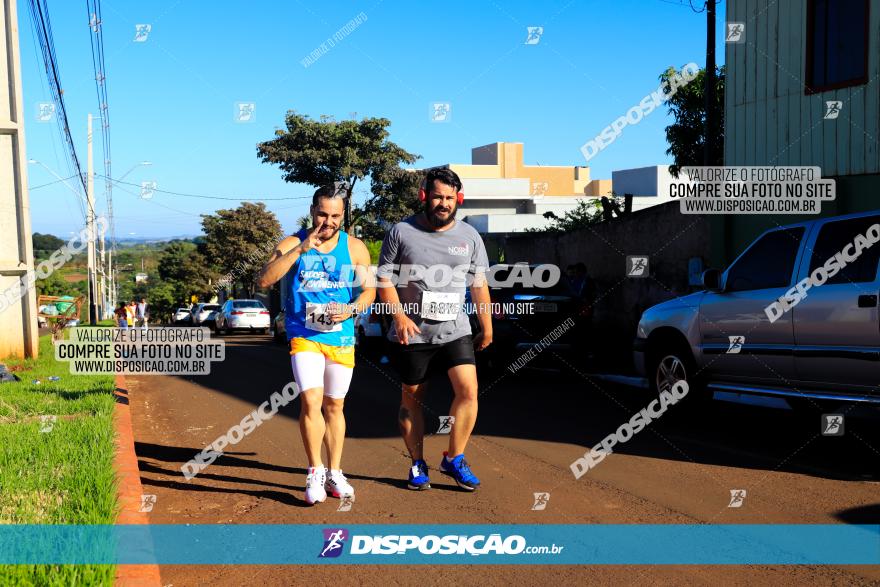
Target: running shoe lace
(464,469)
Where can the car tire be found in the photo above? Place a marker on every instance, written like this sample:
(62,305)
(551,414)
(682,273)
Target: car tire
(668,363)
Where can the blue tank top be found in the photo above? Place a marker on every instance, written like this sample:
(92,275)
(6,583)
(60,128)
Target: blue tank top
(314,280)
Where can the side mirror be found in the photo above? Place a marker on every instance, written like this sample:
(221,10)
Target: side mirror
(712,279)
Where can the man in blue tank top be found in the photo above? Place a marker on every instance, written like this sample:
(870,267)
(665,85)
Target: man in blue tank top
(325,268)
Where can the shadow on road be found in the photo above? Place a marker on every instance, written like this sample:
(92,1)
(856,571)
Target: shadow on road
(174,456)
(568,408)
(869,514)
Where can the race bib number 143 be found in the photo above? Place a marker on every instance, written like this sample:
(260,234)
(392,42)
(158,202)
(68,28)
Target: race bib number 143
(317,318)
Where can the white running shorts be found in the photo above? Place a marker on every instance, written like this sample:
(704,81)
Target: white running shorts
(312,370)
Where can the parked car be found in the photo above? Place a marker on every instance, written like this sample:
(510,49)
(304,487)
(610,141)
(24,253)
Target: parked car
(825,346)
(249,315)
(279,330)
(205,315)
(181,316)
(527,313)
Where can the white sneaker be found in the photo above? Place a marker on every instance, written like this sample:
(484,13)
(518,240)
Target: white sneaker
(337,485)
(315,485)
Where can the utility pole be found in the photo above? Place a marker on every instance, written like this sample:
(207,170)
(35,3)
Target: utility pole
(90,227)
(18,319)
(102,284)
(709,90)
(347,217)
(111,293)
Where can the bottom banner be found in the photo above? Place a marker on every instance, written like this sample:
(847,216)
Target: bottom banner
(239,544)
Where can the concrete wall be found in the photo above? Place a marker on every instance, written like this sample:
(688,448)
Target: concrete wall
(599,188)
(667,237)
(557,205)
(506,223)
(649,186)
(510,207)
(494,187)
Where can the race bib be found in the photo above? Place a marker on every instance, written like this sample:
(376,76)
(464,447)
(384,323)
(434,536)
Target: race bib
(317,318)
(442,307)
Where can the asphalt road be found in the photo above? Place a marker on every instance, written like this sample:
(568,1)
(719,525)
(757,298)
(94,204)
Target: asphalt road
(532,425)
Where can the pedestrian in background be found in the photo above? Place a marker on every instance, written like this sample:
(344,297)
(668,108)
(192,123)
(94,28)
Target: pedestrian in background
(121,314)
(129,313)
(141,314)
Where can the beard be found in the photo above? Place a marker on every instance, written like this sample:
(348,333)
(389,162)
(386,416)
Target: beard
(435,220)
(326,235)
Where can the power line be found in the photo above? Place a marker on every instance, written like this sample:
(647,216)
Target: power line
(703,9)
(57,127)
(43,31)
(36,187)
(212,197)
(96,40)
(136,195)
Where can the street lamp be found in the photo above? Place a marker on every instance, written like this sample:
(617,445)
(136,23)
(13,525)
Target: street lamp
(135,166)
(61,179)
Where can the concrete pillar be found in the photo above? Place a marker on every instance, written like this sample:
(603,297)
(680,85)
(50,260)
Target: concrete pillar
(18,314)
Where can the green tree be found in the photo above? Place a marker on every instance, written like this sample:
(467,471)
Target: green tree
(395,196)
(687,135)
(45,245)
(55,285)
(320,152)
(163,298)
(587,212)
(238,242)
(186,270)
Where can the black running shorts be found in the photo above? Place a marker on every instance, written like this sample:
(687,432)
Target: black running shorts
(413,361)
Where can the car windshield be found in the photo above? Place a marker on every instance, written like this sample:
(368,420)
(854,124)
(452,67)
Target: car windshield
(210,307)
(248,304)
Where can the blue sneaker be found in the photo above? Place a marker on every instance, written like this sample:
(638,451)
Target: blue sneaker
(459,470)
(418,476)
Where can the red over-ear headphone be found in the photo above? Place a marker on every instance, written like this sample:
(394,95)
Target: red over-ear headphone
(423,195)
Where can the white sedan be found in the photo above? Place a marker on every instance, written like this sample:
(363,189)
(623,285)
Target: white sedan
(249,315)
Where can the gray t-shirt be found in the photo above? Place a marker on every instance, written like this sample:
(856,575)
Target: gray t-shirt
(420,260)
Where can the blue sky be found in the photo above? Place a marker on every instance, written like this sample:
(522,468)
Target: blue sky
(172,97)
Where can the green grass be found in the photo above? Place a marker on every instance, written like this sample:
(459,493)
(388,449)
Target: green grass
(65,475)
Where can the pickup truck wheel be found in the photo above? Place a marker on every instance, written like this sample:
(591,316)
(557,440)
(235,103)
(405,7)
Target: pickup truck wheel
(668,365)
(670,369)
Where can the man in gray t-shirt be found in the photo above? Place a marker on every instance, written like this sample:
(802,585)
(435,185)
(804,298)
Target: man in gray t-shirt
(432,261)
(427,262)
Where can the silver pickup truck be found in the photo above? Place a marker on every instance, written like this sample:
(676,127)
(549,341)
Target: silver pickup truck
(795,315)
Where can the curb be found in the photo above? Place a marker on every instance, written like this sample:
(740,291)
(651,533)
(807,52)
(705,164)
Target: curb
(129,491)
